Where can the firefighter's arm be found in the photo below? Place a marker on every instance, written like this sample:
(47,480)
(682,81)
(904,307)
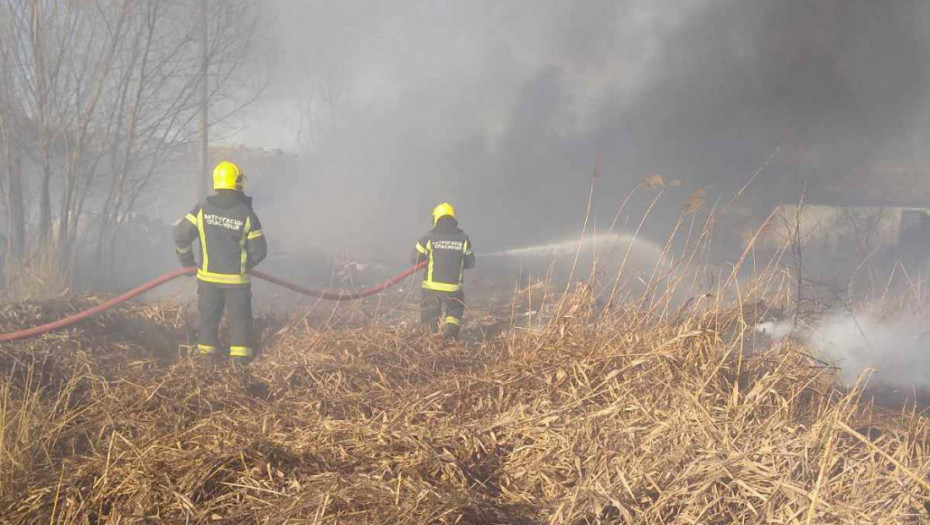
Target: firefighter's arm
(420,251)
(469,254)
(184,234)
(256,246)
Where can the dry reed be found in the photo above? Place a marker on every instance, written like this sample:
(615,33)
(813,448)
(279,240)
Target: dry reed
(673,420)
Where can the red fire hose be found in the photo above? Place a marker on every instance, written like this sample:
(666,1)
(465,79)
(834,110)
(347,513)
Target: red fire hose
(332,295)
(339,295)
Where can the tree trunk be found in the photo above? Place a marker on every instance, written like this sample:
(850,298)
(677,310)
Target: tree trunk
(45,208)
(16,210)
(64,220)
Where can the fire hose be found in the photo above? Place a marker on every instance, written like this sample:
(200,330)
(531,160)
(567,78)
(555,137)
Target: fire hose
(330,295)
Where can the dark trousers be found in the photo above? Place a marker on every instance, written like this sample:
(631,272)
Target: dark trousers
(237,301)
(431,311)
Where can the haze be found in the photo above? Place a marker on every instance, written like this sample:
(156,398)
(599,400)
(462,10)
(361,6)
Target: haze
(504,108)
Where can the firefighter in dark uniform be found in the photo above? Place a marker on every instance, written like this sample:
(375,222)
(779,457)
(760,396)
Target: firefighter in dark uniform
(449,252)
(231,243)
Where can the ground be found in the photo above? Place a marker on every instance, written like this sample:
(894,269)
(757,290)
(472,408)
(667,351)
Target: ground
(348,419)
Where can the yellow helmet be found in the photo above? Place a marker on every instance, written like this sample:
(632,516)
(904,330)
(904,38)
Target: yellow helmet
(443,210)
(227,176)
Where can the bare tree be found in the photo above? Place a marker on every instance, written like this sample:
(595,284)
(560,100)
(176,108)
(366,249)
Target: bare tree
(97,95)
(323,102)
(11,184)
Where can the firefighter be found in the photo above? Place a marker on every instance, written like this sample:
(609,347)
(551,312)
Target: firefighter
(449,252)
(231,243)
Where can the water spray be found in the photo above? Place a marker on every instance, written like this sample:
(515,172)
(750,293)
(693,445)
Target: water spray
(557,249)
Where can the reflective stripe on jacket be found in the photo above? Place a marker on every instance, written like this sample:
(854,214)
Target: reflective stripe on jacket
(449,252)
(230,235)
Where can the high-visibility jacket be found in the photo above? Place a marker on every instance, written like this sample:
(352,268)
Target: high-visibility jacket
(449,252)
(231,238)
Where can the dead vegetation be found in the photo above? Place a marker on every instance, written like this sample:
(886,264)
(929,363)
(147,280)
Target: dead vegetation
(634,422)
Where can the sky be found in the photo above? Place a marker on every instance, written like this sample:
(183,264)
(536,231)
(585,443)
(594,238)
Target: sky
(505,108)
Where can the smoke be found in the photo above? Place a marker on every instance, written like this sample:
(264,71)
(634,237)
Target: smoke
(502,109)
(897,349)
(777,330)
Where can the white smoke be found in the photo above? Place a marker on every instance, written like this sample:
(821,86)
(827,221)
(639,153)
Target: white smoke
(776,329)
(897,349)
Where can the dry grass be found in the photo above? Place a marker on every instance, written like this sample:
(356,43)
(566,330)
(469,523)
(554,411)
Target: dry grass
(41,275)
(619,421)
(640,408)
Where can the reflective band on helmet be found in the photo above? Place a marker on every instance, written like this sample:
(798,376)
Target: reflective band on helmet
(222,278)
(453,320)
(240,351)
